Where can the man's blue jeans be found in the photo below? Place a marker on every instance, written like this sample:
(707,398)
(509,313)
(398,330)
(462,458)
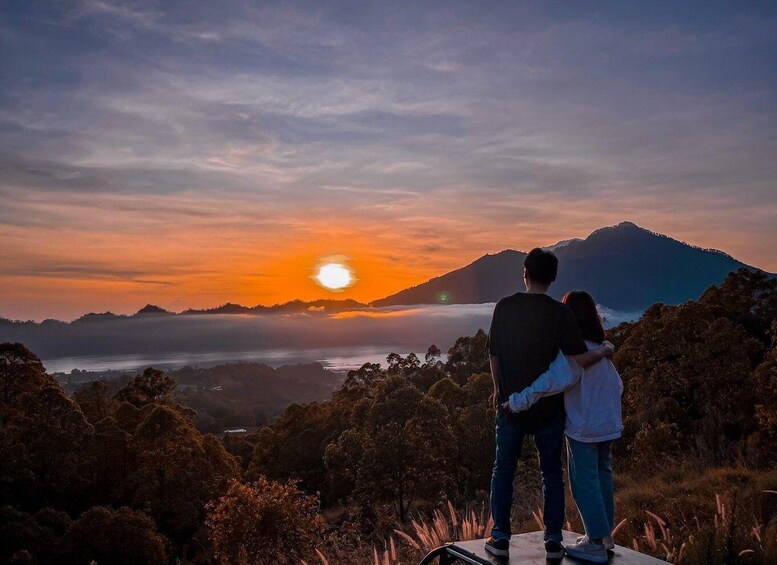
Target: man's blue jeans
(549,439)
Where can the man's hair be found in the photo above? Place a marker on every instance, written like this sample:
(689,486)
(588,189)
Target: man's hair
(541,266)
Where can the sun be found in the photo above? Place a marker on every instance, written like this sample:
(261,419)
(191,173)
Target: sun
(334,275)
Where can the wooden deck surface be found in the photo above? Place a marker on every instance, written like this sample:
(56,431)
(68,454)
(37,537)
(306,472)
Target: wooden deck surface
(528,549)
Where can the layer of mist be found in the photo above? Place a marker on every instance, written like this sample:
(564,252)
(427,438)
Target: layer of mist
(340,341)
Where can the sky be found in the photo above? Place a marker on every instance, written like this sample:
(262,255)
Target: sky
(189,154)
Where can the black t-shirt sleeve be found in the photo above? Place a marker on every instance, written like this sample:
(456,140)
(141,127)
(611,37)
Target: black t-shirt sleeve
(493,334)
(571,339)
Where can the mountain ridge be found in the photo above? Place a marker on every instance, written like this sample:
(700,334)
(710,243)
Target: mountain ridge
(625,267)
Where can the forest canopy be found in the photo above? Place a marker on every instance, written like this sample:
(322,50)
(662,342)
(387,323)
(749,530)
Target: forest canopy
(126,477)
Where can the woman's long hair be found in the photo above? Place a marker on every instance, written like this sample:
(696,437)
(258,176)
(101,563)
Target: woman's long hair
(584,309)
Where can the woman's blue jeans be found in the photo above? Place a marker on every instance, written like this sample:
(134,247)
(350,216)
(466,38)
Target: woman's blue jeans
(549,439)
(590,476)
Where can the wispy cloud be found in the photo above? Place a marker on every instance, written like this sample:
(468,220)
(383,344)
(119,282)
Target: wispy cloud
(433,132)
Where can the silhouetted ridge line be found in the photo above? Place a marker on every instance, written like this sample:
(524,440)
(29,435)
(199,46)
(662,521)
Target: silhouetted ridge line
(625,267)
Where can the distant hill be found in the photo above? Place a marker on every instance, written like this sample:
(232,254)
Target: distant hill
(150,310)
(625,267)
(324,305)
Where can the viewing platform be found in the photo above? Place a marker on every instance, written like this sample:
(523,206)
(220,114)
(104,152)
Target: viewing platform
(525,549)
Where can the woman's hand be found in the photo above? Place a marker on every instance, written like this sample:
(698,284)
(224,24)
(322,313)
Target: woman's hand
(609,348)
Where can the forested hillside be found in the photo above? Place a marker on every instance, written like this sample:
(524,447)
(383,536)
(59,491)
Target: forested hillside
(244,394)
(395,454)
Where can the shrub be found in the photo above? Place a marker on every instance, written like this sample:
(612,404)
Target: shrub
(264,522)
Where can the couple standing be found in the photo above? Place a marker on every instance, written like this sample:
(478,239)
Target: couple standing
(538,349)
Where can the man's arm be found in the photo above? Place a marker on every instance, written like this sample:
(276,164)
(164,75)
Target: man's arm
(594,355)
(556,379)
(495,374)
(493,354)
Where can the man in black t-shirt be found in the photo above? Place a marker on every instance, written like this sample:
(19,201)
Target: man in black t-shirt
(528,330)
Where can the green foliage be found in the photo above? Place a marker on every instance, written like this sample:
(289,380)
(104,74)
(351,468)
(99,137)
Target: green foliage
(765,383)
(399,455)
(468,356)
(686,367)
(95,401)
(142,452)
(20,531)
(175,471)
(264,522)
(43,434)
(121,537)
(393,443)
(747,298)
(152,386)
(294,446)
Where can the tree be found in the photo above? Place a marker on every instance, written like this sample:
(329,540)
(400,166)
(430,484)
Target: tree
(94,401)
(358,382)
(34,534)
(293,448)
(474,432)
(765,377)
(176,471)
(119,537)
(20,372)
(689,357)
(449,393)
(264,522)
(468,356)
(748,298)
(152,386)
(42,437)
(108,465)
(398,453)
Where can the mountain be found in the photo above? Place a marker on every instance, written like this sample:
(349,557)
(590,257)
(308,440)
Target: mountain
(98,317)
(625,267)
(152,310)
(228,308)
(323,305)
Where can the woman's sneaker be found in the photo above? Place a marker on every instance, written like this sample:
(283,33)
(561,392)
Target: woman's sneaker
(498,547)
(609,545)
(553,549)
(588,550)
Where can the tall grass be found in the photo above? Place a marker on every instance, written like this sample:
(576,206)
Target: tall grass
(424,535)
(734,526)
(727,539)
(443,528)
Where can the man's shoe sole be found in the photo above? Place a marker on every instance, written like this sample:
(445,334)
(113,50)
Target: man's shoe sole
(587,556)
(554,554)
(498,552)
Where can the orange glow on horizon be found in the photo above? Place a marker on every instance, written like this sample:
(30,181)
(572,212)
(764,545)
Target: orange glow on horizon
(83,260)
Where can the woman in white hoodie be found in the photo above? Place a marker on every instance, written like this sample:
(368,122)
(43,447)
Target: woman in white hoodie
(592,398)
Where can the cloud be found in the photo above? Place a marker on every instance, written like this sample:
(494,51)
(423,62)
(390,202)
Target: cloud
(440,130)
(173,341)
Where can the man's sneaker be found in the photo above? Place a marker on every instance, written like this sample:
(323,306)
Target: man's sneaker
(588,550)
(609,545)
(498,547)
(553,549)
